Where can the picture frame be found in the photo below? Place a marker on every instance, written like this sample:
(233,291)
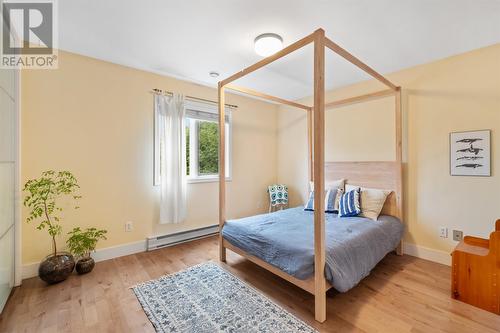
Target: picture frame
(470,153)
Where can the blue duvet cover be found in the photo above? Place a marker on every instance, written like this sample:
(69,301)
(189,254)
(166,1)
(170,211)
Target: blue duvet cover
(354,245)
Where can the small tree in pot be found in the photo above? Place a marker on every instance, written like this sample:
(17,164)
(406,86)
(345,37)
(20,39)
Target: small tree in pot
(81,244)
(42,194)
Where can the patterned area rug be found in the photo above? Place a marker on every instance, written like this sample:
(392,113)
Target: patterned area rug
(207,298)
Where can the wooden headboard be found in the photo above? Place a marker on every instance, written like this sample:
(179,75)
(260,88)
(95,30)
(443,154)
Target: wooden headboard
(382,175)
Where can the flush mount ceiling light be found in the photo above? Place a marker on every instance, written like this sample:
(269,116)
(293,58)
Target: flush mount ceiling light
(268,44)
(213,74)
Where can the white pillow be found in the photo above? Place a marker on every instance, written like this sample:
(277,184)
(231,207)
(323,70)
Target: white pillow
(372,200)
(331,185)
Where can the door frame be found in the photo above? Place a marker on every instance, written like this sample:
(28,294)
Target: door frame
(18,194)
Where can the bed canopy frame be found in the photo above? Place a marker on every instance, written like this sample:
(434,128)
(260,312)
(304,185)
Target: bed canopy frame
(386,174)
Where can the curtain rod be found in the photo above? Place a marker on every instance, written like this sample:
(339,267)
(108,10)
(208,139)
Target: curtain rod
(169,93)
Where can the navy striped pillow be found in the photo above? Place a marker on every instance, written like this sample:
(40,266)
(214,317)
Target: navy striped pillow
(349,204)
(330,201)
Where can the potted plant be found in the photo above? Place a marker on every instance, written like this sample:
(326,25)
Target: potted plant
(42,196)
(81,244)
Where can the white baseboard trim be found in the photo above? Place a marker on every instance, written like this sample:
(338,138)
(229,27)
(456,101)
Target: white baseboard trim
(422,252)
(31,270)
(119,251)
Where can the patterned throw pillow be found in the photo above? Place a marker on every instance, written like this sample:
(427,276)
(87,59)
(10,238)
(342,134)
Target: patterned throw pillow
(332,199)
(310,202)
(349,204)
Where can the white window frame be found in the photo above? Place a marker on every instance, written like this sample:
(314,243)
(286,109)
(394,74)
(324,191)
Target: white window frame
(194,177)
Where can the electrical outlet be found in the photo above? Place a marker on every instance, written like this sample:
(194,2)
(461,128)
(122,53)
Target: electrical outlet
(129,226)
(458,235)
(443,232)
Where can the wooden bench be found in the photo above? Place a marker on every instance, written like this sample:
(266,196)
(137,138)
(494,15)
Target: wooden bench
(476,271)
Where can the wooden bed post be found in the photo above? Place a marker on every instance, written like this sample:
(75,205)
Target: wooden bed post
(222,171)
(310,144)
(399,161)
(319,179)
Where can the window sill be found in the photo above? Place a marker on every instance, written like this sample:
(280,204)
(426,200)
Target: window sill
(206,180)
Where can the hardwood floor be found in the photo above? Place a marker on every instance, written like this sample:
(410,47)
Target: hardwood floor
(402,294)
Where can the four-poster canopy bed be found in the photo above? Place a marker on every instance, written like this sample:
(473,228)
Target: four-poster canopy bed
(386,175)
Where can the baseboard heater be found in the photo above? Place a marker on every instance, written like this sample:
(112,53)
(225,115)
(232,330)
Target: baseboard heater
(158,242)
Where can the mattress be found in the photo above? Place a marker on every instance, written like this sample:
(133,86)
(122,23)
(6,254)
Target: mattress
(285,239)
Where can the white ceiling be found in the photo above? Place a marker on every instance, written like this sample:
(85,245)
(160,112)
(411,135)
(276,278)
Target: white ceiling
(188,39)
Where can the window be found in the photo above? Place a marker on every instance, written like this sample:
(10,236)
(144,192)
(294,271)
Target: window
(202,143)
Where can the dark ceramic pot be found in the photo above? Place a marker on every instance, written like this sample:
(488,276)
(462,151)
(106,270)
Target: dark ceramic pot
(54,269)
(84,266)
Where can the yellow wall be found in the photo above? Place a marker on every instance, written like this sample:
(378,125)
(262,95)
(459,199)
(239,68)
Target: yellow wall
(455,94)
(95,119)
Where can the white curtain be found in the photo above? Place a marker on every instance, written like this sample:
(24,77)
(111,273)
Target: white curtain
(172,137)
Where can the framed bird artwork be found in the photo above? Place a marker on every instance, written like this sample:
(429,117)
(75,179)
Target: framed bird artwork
(470,153)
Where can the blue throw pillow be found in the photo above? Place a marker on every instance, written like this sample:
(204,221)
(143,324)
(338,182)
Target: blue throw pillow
(310,203)
(330,201)
(330,197)
(349,204)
